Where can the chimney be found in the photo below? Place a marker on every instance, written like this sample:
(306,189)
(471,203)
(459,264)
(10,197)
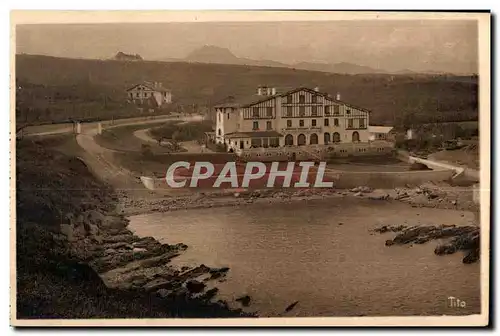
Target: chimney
(259,91)
(338,96)
(316,89)
(269,91)
(273,91)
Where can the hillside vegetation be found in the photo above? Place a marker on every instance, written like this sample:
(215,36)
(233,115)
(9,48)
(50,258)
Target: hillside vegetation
(50,88)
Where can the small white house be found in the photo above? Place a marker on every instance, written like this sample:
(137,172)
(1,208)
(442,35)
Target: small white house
(380,133)
(153,93)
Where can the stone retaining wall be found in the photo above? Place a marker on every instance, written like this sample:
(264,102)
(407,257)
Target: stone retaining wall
(316,152)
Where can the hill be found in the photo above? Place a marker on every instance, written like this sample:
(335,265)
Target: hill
(76,86)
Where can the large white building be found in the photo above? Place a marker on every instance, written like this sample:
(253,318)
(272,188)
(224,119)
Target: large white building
(298,117)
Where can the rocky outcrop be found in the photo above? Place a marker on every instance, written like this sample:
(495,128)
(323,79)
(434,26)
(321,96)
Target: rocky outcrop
(76,258)
(457,238)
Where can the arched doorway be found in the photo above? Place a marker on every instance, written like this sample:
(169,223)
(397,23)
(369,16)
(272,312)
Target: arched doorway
(313,139)
(326,138)
(336,137)
(301,140)
(289,140)
(355,137)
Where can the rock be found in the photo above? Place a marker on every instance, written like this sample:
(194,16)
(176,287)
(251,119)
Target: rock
(472,256)
(382,229)
(358,194)
(445,249)
(223,303)
(378,195)
(146,242)
(236,194)
(244,300)
(210,294)
(138,250)
(123,238)
(120,245)
(291,306)
(389,242)
(454,202)
(158,284)
(219,270)
(341,223)
(195,286)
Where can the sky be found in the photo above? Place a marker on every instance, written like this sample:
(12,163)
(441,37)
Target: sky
(423,45)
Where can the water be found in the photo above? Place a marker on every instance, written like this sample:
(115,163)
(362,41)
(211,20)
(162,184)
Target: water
(322,254)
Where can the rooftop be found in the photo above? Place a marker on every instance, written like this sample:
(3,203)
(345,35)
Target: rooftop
(379,129)
(152,86)
(246,100)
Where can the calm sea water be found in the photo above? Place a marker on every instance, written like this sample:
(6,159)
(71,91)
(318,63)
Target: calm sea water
(322,254)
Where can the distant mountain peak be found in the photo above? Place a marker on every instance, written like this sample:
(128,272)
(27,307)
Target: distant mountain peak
(212,54)
(121,56)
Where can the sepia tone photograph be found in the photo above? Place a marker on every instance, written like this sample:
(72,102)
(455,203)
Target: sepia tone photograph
(250,168)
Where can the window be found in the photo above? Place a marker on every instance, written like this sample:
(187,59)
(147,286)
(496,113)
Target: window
(327,122)
(349,123)
(256,143)
(313,123)
(327,110)
(274,142)
(288,111)
(336,109)
(301,123)
(255,125)
(219,131)
(314,111)
(145,94)
(314,99)
(335,122)
(348,111)
(255,112)
(289,99)
(302,99)
(361,123)
(302,111)
(228,116)
(288,123)
(269,111)
(137,94)
(268,125)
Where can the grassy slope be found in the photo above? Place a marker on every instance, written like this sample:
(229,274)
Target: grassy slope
(89,81)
